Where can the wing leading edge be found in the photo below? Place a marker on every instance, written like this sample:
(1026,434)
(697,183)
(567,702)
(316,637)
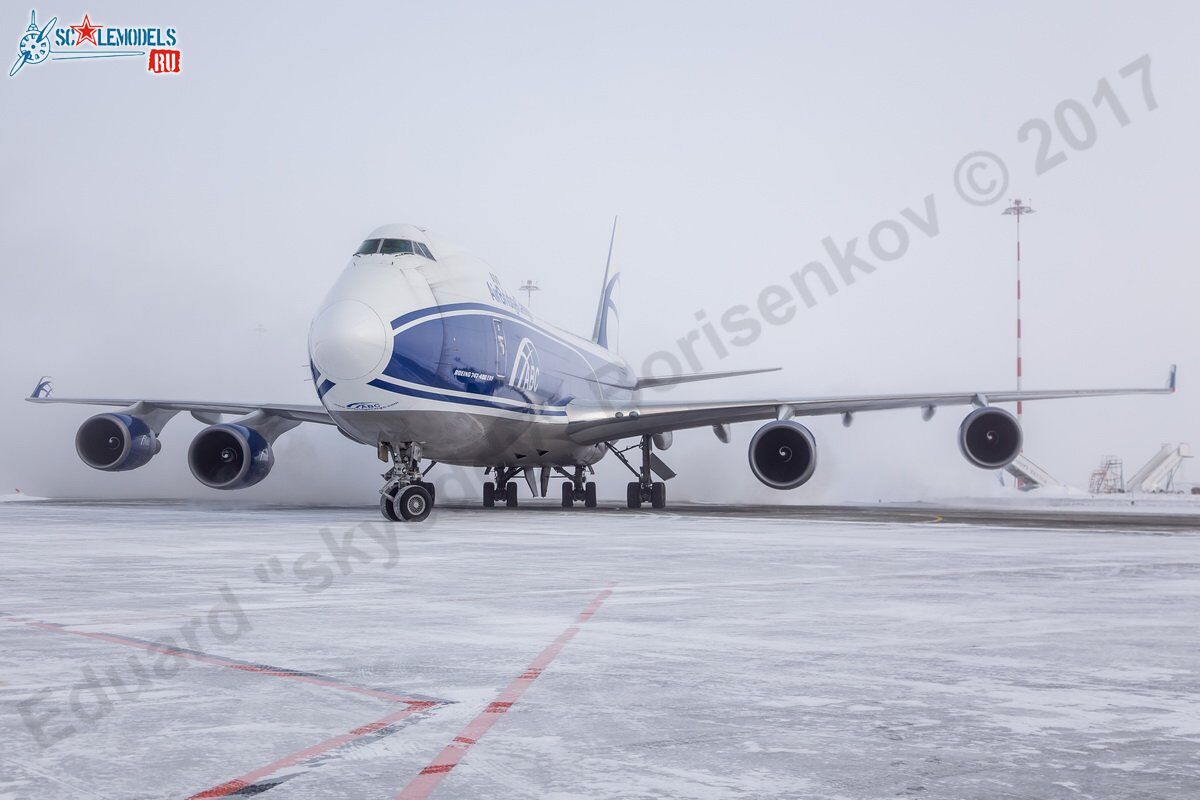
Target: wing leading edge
(595,425)
(198,408)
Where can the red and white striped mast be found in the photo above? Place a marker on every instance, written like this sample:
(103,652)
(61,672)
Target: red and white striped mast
(1018,210)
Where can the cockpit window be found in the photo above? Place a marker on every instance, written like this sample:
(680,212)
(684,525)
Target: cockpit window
(394,247)
(397,246)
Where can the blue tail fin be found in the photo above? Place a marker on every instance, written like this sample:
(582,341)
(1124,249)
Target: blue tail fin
(604,332)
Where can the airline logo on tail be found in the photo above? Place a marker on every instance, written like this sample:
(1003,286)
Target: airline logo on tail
(604,333)
(607,318)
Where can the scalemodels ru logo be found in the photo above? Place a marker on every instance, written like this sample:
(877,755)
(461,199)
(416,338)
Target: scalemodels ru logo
(87,40)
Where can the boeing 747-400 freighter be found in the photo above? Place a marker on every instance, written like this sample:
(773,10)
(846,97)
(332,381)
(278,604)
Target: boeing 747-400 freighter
(419,352)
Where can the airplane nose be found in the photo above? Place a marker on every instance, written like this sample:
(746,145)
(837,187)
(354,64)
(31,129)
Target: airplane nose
(349,341)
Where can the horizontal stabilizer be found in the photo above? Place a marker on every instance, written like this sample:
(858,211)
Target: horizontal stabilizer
(671,380)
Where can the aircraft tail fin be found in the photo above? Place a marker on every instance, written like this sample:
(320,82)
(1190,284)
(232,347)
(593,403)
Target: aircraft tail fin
(604,332)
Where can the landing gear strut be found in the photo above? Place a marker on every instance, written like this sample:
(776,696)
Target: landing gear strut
(405,496)
(576,488)
(645,489)
(504,489)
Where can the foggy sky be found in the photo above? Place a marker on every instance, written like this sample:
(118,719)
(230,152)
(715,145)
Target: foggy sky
(151,224)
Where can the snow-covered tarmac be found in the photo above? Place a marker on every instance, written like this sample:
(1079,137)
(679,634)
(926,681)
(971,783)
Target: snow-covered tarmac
(169,650)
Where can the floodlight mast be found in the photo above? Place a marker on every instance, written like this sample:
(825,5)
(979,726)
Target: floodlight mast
(1018,210)
(529,287)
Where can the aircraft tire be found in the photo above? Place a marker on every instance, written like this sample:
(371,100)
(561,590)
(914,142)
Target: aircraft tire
(633,494)
(388,508)
(510,494)
(589,494)
(489,495)
(658,494)
(414,503)
(568,494)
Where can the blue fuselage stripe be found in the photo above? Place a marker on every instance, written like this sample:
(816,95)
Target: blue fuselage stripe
(476,354)
(467,401)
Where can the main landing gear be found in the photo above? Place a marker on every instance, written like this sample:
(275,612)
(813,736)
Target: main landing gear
(645,489)
(405,496)
(503,490)
(576,488)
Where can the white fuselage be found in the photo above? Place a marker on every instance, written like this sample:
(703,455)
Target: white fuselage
(432,349)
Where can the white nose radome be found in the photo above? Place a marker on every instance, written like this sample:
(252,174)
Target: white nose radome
(348,341)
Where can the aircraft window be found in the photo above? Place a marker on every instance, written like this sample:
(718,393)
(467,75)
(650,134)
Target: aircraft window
(368,247)
(425,251)
(397,247)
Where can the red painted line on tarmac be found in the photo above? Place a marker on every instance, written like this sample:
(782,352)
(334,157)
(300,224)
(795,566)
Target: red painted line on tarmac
(229,663)
(250,778)
(427,780)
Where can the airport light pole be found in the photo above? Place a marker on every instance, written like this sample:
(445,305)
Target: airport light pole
(529,287)
(1018,210)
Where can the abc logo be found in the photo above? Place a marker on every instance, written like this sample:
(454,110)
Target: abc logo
(526,368)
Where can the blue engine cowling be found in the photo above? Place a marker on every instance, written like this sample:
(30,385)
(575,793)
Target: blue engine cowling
(116,442)
(230,456)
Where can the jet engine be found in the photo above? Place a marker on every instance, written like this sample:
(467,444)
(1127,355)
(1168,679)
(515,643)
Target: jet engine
(783,454)
(230,456)
(990,438)
(116,442)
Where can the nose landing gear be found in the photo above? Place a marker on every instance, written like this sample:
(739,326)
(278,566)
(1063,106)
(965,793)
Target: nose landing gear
(405,496)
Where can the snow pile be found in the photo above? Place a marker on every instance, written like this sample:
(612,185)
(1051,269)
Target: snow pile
(18,497)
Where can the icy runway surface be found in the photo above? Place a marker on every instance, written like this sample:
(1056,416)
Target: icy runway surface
(172,651)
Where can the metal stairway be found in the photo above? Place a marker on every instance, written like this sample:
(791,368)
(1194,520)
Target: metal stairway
(1029,475)
(1158,473)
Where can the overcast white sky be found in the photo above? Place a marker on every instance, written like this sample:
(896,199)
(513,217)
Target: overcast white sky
(151,223)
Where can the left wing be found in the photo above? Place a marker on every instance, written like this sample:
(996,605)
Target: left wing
(594,425)
(202,410)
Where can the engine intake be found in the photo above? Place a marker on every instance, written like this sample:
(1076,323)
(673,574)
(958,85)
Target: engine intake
(230,456)
(116,442)
(783,454)
(990,438)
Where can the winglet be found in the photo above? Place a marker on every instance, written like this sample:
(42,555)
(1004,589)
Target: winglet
(44,388)
(1171,378)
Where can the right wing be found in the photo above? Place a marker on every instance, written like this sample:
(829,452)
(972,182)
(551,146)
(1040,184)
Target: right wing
(596,425)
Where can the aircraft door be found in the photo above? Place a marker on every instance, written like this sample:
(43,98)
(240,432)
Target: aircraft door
(501,351)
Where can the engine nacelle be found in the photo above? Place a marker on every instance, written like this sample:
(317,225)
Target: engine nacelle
(230,456)
(990,438)
(116,442)
(783,454)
